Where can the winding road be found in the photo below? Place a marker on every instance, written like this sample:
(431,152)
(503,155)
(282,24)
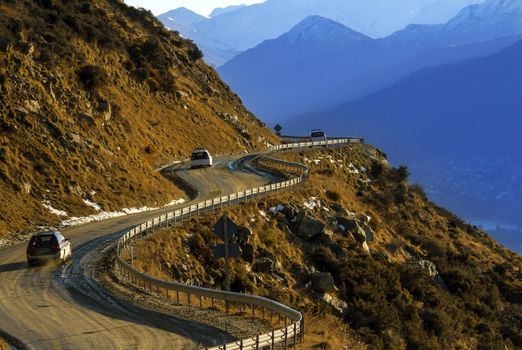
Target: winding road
(63,307)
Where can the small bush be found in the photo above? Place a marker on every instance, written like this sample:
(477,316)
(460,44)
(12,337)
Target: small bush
(333,196)
(194,52)
(92,77)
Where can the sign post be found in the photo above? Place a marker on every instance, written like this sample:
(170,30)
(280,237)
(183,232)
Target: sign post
(226,229)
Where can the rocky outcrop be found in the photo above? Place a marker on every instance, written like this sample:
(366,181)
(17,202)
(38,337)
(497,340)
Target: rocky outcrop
(323,282)
(309,227)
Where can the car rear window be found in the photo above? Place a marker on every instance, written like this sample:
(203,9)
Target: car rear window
(43,241)
(199,155)
(318,134)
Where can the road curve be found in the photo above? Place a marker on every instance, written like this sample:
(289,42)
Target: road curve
(62,307)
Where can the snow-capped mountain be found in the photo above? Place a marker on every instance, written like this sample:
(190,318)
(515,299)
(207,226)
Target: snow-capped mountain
(491,19)
(441,11)
(321,63)
(182,16)
(239,29)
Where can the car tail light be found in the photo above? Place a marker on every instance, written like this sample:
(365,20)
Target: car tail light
(55,247)
(31,249)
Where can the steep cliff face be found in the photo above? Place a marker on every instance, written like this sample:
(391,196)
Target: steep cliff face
(94,96)
(360,244)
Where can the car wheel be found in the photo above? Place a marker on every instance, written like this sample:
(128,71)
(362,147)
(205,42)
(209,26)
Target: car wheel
(31,262)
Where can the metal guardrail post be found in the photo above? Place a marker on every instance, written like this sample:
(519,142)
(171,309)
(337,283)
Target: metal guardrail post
(295,335)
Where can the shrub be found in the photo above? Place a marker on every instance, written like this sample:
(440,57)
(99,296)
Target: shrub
(92,77)
(194,52)
(333,196)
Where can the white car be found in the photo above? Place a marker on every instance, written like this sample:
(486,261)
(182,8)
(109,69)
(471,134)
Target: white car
(46,246)
(200,158)
(317,135)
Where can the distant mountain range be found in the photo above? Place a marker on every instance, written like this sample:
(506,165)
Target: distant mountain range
(468,108)
(232,30)
(316,66)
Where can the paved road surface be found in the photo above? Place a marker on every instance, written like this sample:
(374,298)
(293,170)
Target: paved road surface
(60,307)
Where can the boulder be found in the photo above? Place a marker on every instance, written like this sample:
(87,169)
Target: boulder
(347,223)
(243,234)
(323,282)
(338,208)
(310,227)
(369,233)
(431,270)
(264,265)
(359,234)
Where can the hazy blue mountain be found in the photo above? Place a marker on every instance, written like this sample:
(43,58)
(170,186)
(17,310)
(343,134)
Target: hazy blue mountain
(318,64)
(468,108)
(457,127)
(238,29)
(284,76)
(222,10)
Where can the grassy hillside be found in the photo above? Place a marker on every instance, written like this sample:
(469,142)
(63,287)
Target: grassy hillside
(362,250)
(94,96)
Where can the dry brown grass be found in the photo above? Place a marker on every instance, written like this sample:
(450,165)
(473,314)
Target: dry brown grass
(57,145)
(329,333)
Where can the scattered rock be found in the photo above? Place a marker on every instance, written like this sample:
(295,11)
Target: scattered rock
(431,269)
(310,227)
(181,94)
(86,117)
(26,48)
(26,187)
(32,106)
(323,282)
(105,110)
(264,265)
(243,235)
(338,305)
(365,247)
(347,223)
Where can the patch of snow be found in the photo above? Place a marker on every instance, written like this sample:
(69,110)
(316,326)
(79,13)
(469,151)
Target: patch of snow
(342,228)
(312,202)
(103,215)
(275,210)
(353,169)
(96,206)
(48,206)
(263,214)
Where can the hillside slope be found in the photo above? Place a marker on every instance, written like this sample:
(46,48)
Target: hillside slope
(94,96)
(362,250)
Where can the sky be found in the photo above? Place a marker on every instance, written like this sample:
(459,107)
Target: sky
(203,7)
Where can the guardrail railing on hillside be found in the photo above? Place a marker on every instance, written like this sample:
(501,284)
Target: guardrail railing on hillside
(293,331)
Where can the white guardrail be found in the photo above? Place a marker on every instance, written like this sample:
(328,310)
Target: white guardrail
(293,330)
